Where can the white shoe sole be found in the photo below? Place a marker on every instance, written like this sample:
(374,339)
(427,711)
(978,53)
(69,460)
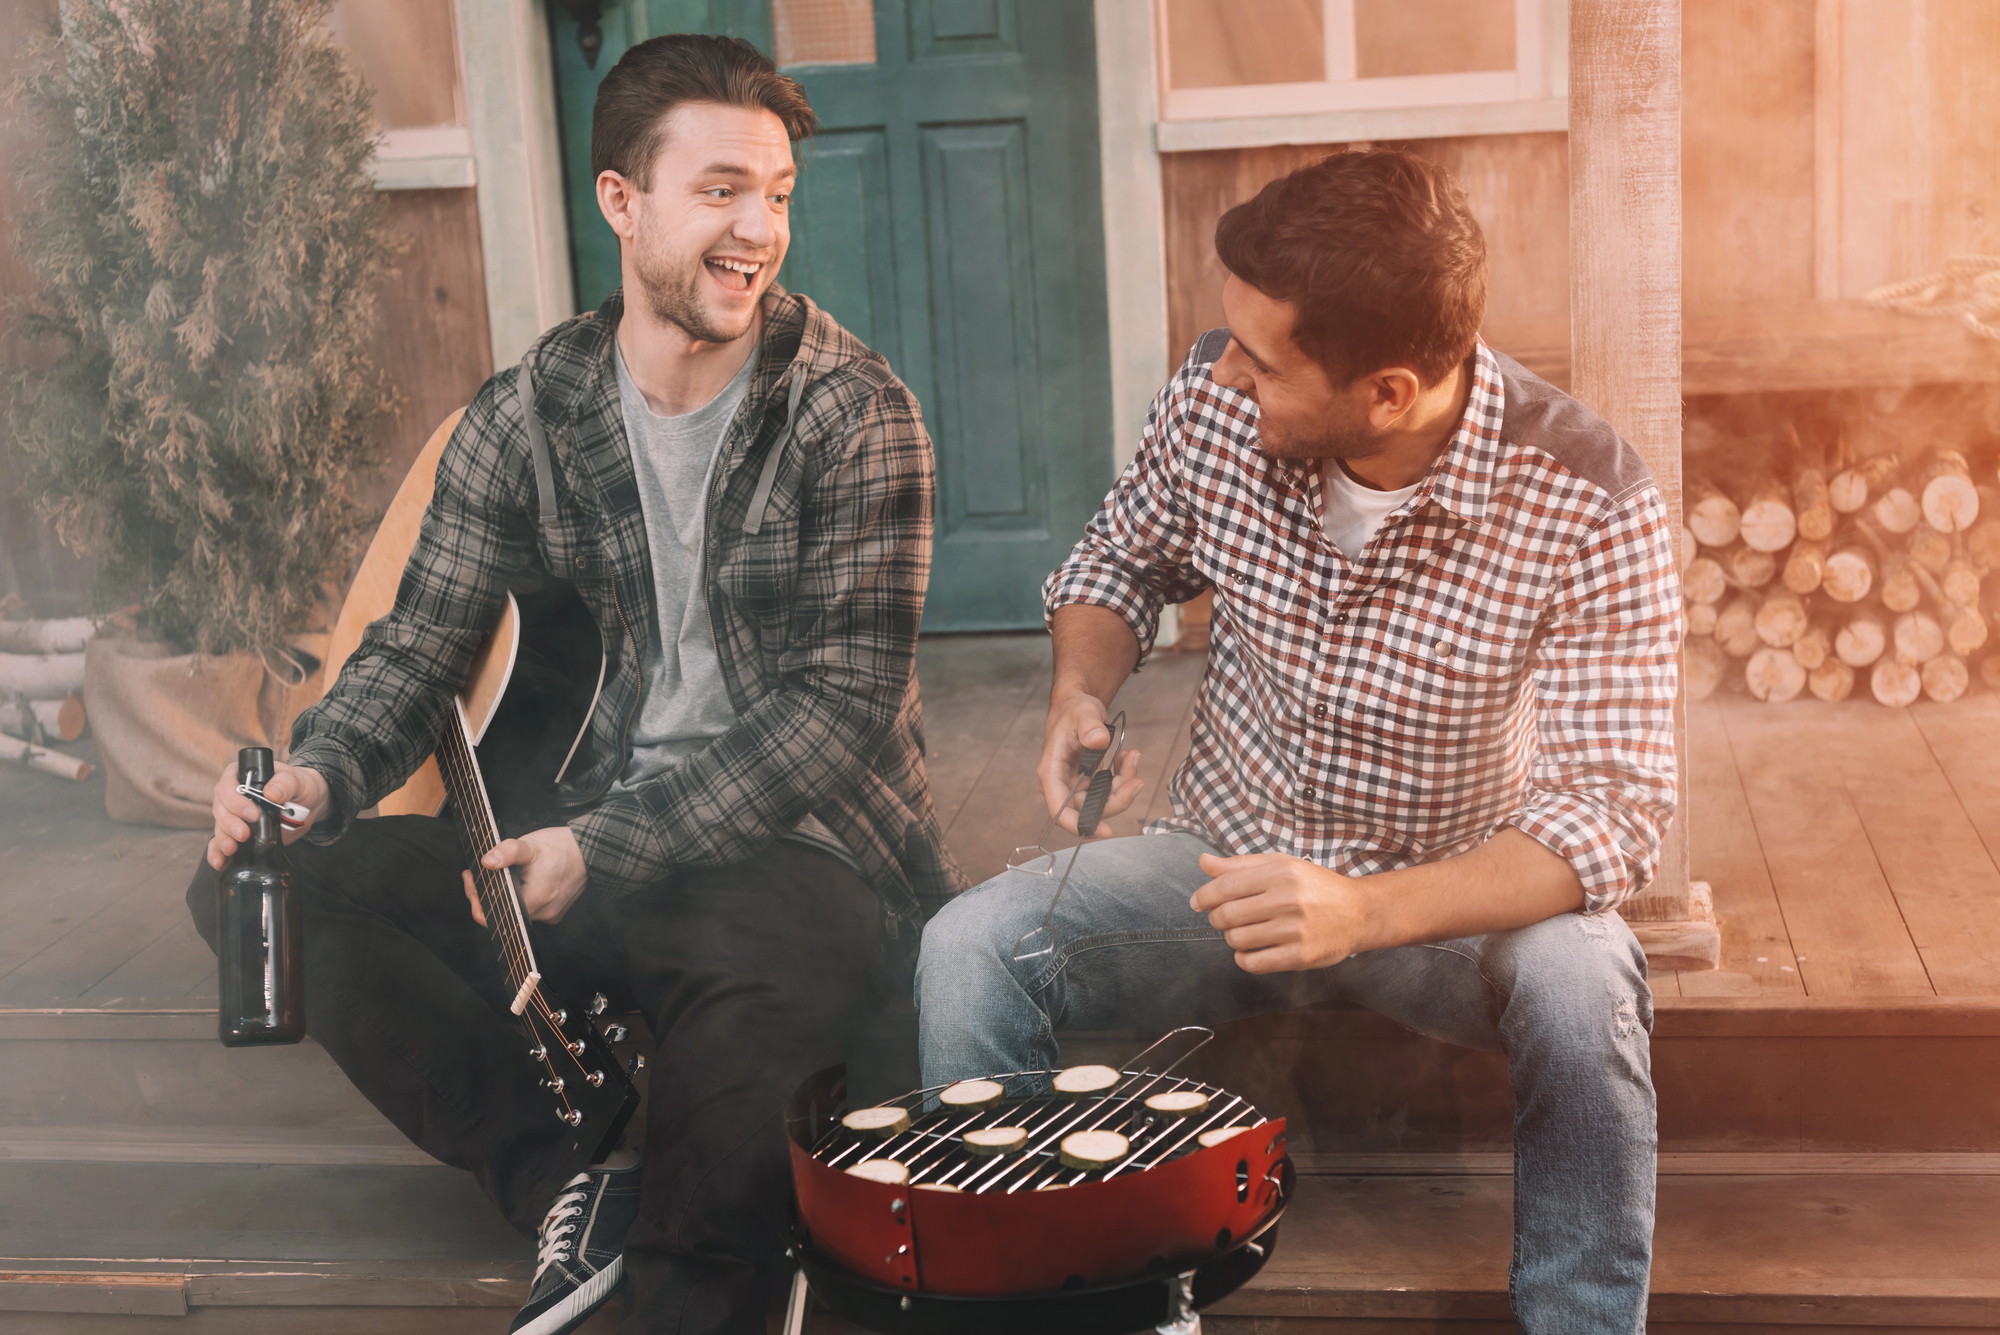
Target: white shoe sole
(587,1298)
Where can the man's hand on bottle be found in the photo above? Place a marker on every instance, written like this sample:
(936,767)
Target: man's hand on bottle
(235,814)
(1076,724)
(551,876)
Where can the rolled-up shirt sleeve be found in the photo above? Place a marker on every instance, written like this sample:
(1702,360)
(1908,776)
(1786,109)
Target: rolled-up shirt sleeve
(1135,556)
(1604,785)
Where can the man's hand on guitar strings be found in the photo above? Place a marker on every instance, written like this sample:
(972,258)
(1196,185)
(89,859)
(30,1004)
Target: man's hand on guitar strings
(236,813)
(552,873)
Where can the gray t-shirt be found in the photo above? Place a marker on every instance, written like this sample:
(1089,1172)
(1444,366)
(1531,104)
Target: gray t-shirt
(686,703)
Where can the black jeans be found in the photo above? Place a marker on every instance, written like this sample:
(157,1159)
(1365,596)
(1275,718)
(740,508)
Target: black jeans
(750,977)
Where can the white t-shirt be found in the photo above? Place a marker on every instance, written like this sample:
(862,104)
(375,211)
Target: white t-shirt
(1350,512)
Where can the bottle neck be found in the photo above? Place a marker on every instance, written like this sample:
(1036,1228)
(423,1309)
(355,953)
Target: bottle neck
(267,833)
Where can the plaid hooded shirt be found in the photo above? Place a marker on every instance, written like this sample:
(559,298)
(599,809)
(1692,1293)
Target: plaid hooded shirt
(816,557)
(1504,651)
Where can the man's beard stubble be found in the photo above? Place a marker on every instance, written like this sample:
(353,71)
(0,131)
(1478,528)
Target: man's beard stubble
(670,283)
(1331,441)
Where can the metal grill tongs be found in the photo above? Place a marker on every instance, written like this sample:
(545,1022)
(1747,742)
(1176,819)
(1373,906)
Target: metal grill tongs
(1096,771)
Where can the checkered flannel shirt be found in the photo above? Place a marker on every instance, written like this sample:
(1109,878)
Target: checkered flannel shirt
(816,559)
(1504,651)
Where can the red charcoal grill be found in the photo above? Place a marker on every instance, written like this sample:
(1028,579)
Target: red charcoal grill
(1144,1242)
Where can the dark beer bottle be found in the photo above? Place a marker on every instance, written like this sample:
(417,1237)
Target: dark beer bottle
(260,936)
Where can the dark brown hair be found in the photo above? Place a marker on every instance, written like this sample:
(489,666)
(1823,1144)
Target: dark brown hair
(1380,254)
(628,124)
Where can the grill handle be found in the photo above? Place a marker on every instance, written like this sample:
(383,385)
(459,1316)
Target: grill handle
(1207,1037)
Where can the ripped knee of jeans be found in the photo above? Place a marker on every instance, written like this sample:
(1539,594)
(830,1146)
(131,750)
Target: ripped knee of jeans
(1625,1019)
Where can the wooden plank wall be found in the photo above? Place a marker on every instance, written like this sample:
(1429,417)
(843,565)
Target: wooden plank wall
(1845,136)
(431,335)
(1519,188)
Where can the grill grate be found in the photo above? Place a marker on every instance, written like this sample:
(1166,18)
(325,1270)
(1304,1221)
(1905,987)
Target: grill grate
(933,1153)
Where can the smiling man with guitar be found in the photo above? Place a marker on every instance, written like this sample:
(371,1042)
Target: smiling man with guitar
(689,537)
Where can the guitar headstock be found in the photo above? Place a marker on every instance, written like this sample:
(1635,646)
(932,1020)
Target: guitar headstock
(591,1089)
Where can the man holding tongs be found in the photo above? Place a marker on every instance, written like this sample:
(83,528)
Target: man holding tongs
(1434,746)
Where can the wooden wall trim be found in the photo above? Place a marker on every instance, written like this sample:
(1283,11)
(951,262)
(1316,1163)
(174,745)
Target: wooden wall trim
(1826,150)
(1372,125)
(1135,232)
(1625,270)
(435,158)
(523,234)
(1135,236)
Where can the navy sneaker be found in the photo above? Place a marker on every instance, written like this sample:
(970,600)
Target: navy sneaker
(579,1260)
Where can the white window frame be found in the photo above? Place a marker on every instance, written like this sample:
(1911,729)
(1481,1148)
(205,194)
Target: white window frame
(1344,109)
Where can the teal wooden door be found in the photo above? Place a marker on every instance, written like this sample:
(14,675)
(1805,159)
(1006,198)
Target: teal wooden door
(948,214)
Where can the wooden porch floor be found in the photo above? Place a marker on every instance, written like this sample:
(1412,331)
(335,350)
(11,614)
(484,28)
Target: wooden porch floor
(1852,849)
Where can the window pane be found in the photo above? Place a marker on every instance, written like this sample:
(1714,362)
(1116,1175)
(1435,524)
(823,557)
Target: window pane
(1393,37)
(824,32)
(1227,43)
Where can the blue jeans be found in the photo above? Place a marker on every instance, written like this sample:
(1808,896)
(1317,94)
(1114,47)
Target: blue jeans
(1565,999)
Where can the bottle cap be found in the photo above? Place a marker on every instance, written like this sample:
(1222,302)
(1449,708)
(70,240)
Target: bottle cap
(255,765)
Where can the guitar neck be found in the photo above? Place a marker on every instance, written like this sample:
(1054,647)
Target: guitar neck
(499,899)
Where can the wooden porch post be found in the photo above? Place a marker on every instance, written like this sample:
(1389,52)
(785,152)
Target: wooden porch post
(1625,287)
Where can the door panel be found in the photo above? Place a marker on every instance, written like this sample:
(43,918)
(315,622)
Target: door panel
(982,297)
(843,252)
(949,214)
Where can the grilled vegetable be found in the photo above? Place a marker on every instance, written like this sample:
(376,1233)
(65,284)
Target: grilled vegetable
(1093,1149)
(972,1095)
(1178,1103)
(1218,1134)
(881,1170)
(1080,1080)
(990,1140)
(883,1122)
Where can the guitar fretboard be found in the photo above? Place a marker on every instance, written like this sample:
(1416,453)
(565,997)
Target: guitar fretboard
(498,899)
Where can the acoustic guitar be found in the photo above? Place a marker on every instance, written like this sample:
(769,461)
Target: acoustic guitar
(513,729)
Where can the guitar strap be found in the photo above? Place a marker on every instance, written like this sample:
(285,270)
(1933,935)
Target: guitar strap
(538,443)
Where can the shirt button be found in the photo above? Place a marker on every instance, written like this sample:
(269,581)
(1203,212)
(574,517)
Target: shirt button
(1311,792)
(1242,577)
(582,563)
(1319,711)
(1442,648)
(1340,618)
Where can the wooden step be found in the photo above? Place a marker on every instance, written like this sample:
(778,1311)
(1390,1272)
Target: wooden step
(1855,1249)
(89,1075)
(1885,1075)
(1794,1243)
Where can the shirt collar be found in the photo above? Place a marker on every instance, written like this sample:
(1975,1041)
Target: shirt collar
(1461,478)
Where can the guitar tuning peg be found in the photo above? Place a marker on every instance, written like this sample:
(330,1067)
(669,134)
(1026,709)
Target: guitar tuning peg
(616,1033)
(562,1019)
(597,1004)
(638,1063)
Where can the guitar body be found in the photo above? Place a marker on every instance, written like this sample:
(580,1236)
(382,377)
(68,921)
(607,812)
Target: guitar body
(519,718)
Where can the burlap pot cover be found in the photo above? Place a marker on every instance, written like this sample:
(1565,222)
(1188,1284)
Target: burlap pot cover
(167,723)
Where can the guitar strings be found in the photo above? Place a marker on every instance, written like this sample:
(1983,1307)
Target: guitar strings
(500,924)
(496,894)
(494,891)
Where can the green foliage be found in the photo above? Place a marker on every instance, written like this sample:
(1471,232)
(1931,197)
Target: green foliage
(206,239)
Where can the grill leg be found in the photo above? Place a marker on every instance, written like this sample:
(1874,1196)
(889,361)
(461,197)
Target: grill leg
(1182,1319)
(795,1306)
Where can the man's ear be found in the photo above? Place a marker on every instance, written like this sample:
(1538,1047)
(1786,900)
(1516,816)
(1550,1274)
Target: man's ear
(1391,392)
(618,201)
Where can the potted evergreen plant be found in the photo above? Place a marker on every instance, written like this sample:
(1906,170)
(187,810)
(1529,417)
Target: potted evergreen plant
(206,240)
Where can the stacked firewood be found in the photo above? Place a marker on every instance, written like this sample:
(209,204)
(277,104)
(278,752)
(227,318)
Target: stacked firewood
(1860,577)
(41,684)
